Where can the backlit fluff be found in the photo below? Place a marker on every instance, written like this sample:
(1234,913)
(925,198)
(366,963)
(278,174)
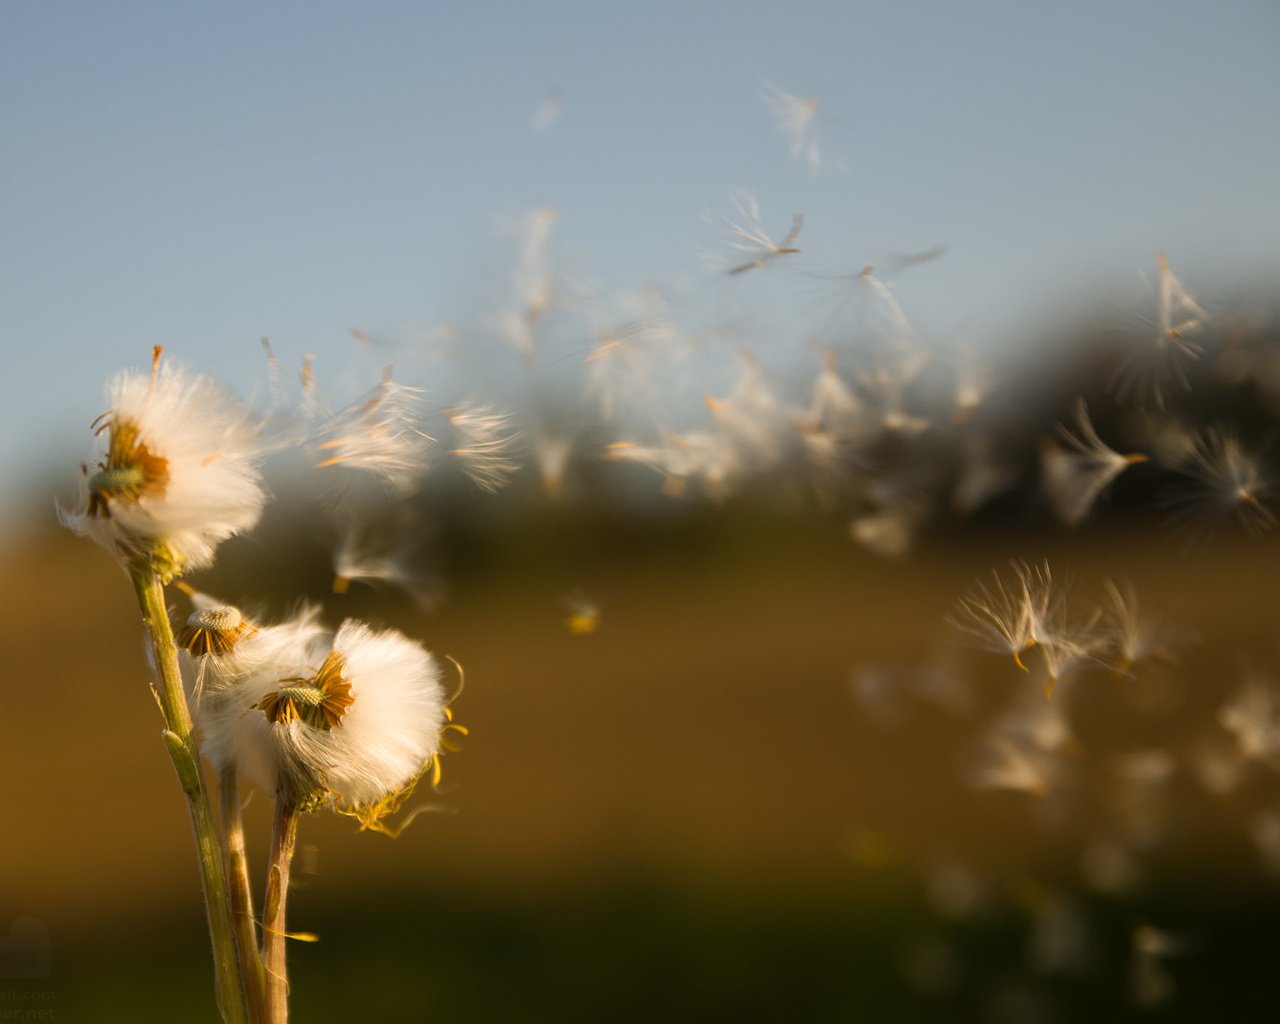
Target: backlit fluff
(795,117)
(216,674)
(749,245)
(355,717)
(174,471)
(486,440)
(380,434)
(1160,362)
(1075,476)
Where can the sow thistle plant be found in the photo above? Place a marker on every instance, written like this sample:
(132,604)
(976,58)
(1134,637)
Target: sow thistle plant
(349,720)
(177,472)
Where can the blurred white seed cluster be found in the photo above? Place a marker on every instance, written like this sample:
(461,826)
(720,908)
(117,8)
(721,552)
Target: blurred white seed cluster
(866,419)
(1092,766)
(352,717)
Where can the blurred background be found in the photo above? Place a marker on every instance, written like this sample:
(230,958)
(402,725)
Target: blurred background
(692,510)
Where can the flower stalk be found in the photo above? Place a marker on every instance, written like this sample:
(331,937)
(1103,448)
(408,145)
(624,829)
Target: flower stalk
(284,836)
(181,744)
(237,866)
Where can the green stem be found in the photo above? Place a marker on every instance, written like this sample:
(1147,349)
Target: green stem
(284,835)
(180,740)
(237,864)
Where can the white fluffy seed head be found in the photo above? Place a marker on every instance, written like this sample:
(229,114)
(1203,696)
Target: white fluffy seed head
(222,686)
(386,714)
(174,472)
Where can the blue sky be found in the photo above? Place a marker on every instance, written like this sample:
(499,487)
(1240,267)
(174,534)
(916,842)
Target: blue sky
(201,175)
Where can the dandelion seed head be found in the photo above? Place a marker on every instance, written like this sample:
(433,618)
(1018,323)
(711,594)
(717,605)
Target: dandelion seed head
(354,716)
(223,618)
(211,643)
(320,701)
(214,630)
(175,470)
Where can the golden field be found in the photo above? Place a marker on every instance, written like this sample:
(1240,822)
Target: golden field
(696,775)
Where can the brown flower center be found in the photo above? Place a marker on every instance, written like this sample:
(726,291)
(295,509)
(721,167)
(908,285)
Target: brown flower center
(214,630)
(131,471)
(320,702)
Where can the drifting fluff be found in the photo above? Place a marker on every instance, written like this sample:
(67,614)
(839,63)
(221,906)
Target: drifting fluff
(1075,476)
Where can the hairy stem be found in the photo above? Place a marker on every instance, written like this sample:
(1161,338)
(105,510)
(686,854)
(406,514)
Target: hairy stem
(283,836)
(237,865)
(180,741)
